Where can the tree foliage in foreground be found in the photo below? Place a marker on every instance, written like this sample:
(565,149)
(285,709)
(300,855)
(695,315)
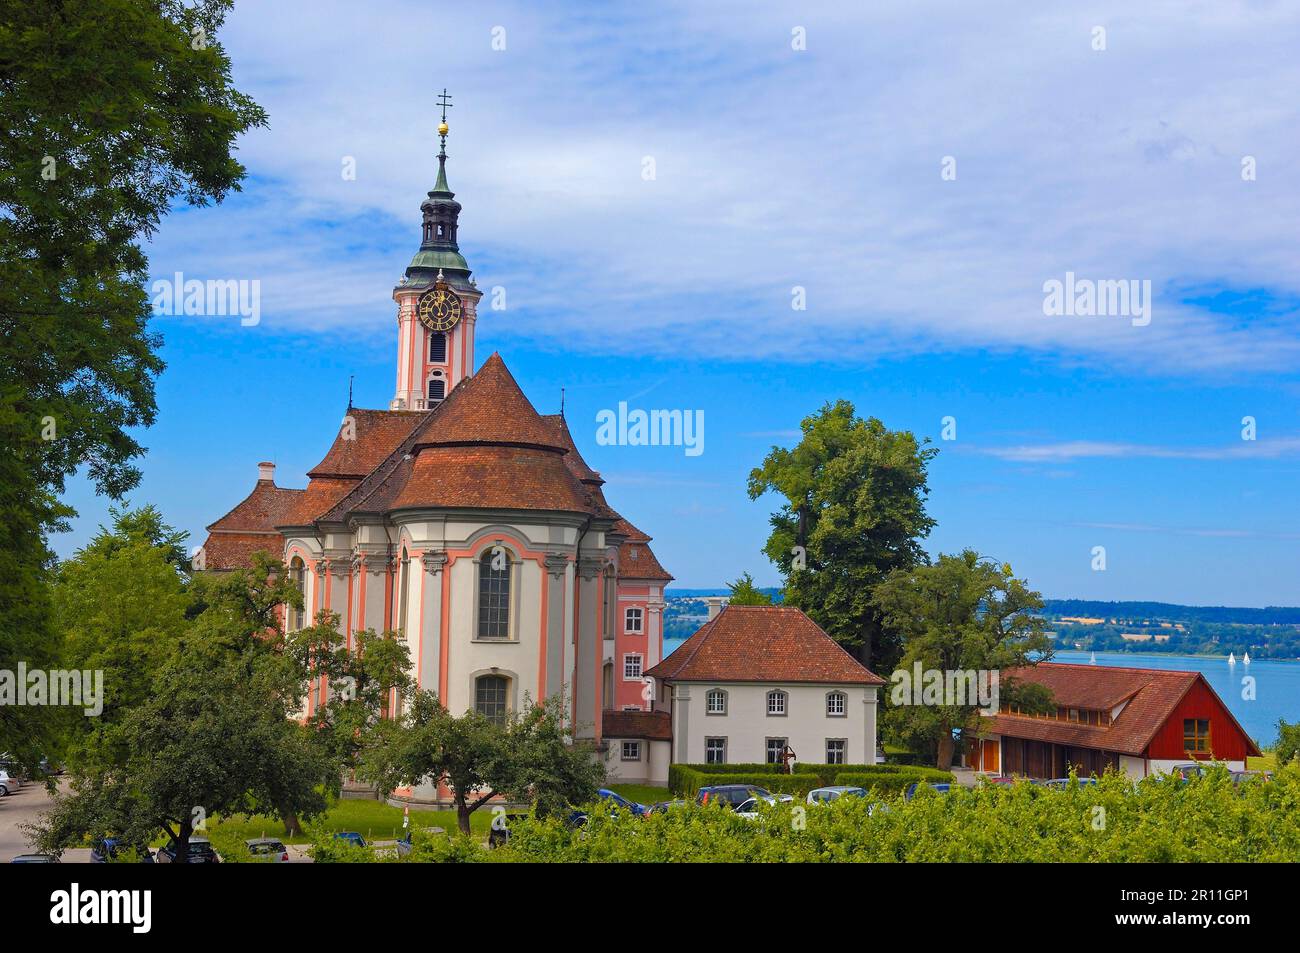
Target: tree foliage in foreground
(529,757)
(1162,821)
(211,733)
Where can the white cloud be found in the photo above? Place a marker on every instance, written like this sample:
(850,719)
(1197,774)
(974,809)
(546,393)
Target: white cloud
(1069,450)
(777,168)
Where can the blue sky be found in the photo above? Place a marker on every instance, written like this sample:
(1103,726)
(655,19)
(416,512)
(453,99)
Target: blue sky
(778,168)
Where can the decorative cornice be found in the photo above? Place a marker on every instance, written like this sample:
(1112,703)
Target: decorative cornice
(589,567)
(556,563)
(434,561)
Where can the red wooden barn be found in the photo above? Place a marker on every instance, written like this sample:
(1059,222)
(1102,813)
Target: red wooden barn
(1139,720)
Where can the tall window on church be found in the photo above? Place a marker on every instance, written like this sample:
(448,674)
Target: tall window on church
(437,389)
(438,348)
(403,583)
(494,595)
(298,576)
(490,697)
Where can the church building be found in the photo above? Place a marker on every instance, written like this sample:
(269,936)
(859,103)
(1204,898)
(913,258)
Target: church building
(465,521)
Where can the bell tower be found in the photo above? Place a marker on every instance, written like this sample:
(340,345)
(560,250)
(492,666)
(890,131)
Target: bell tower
(436,300)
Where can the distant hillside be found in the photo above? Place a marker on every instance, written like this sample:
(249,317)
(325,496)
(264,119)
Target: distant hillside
(670,593)
(1170,612)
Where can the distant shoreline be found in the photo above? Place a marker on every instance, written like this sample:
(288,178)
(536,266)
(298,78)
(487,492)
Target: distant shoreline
(1222,658)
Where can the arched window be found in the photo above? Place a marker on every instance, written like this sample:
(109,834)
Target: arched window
(836,704)
(403,583)
(715,702)
(438,347)
(297,576)
(494,594)
(776,703)
(490,694)
(437,389)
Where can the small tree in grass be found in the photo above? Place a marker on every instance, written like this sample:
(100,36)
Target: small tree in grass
(527,757)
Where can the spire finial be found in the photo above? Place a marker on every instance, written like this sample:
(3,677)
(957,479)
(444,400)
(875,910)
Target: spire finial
(445,102)
(561,403)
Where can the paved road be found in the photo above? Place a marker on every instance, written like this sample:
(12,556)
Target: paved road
(23,807)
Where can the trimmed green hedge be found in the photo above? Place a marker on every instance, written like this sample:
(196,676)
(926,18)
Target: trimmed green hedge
(891,782)
(685,780)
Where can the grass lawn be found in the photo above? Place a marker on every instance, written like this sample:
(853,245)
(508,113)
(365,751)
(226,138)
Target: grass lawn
(1268,762)
(642,793)
(373,820)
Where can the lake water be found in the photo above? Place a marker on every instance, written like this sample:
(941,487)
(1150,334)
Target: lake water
(1277,683)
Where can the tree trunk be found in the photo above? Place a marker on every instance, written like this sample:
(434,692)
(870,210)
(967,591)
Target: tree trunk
(946,747)
(292,826)
(183,841)
(462,813)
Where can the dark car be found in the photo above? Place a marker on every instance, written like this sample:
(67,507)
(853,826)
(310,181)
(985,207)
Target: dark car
(111,848)
(35,859)
(912,788)
(1241,777)
(200,852)
(732,795)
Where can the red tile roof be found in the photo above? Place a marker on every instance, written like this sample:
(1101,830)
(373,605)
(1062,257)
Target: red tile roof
(651,725)
(259,512)
(488,408)
(365,439)
(1151,695)
(763,644)
(488,477)
(224,551)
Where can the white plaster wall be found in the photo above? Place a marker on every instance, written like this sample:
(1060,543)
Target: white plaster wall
(747,726)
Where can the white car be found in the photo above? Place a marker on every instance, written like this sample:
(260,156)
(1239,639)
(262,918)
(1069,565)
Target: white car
(8,783)
(749,809)
(834,793)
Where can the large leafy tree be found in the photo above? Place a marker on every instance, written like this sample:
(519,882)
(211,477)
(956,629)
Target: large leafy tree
(853,511)
(963,613)
(122,607)
(214,733)
(111,111)
(530,757)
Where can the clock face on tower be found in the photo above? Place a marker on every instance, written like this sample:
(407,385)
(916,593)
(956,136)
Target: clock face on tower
(439,309)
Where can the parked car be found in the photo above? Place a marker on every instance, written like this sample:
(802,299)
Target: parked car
(1060,783)
(35,859)
(200,852)
(1190,770)
(912,788)
(9,783)
(1241,777)
(109,848)
(748,808)
(617,800)
(404,842)
(351,837)
(267,850)
(663,807)
(730,794)
(834,793)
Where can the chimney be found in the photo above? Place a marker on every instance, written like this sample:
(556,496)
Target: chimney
(266,473)
(715,604)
